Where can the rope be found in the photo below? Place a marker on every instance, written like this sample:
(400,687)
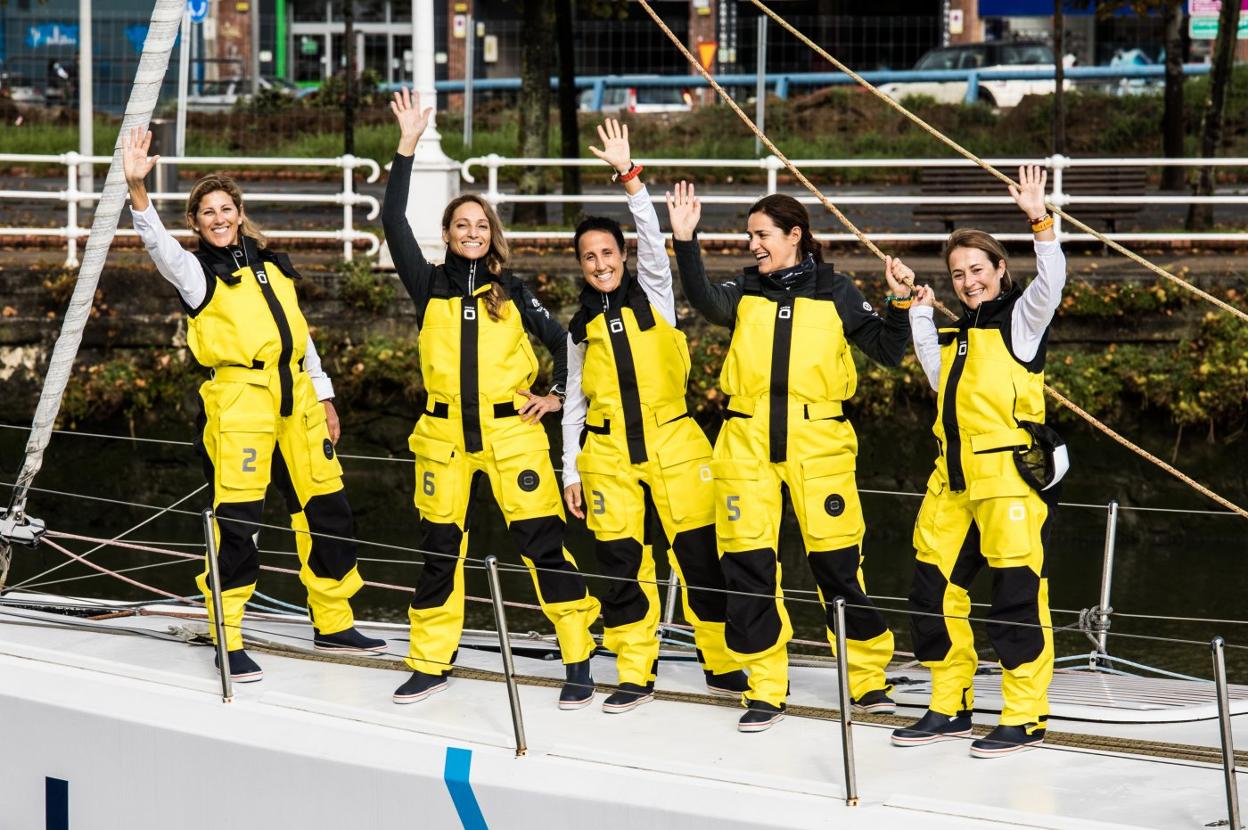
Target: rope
(962,151)
(871,246)
(1145,454)
(153,62)
(84,561)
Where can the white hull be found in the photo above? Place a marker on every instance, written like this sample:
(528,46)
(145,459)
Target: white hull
(137,728)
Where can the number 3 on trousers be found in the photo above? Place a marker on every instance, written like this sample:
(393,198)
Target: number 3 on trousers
(426,483)
(600,503)
(734,508)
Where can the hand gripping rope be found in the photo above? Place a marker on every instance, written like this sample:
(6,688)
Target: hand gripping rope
(873,248)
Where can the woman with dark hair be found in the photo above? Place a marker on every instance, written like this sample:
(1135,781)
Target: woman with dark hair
(481,419)
(267,413)
(787,373)
(991,498)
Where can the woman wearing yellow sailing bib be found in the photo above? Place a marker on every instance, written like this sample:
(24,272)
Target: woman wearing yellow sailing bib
(480,420)
(991,497)
(787,373)
(267,413)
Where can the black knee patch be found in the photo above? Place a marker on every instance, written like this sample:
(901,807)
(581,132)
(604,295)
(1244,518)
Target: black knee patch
(927,597)
(1015,599)
(970,560)
(753,620)
(332,525)
(237,559)
(623,601)
(541,540)
(836,574)
(704,578)
(440,543)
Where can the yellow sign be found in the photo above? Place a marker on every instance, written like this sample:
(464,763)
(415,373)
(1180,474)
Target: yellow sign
(706,53)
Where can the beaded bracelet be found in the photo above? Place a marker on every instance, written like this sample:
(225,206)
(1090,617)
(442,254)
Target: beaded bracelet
(902,303)
(633,172)
(1042,225)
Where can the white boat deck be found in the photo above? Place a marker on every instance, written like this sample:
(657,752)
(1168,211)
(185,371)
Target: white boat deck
(315,743)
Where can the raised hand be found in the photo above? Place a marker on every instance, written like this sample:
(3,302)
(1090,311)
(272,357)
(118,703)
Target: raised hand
(412,120)
(683,210)
(135,161)
(615,150)
(900,277)
(923,295)
(1029,195)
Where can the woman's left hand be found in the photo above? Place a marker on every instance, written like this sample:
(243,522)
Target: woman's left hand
(538,405)
(900,277)
(1029,195)
(331,422)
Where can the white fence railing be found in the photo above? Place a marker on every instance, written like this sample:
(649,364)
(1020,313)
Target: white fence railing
(772,166)
(73,197)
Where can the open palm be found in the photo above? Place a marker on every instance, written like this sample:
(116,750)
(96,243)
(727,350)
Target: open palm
(406,108)
(135,161)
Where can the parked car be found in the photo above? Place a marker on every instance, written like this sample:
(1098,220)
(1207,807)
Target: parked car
(992,55)
(640,99)
(222,95)
(20,90)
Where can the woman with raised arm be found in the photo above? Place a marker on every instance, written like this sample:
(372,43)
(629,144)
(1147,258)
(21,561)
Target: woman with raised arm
(991,497)
(787,373)
(481,419)
(629,443)
(267,413)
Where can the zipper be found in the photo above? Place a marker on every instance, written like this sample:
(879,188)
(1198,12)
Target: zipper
(472,278)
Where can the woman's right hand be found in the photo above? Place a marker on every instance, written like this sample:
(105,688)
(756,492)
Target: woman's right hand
(923,295)
(135,161)
(574,496)
(412,121)
(683,210)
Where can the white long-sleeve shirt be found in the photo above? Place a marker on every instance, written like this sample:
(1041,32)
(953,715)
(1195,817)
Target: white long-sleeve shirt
(654,272)
(1029,319)
(181,268)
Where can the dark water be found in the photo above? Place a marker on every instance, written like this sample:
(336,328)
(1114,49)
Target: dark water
(1174,564)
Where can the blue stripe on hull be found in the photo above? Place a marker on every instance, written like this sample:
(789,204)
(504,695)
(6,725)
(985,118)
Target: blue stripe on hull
(455,773)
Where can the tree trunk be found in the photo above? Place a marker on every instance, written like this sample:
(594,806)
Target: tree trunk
(536,64)
(1059,77)
(1173,178)
(1200,217)
(348,92)
(570,139)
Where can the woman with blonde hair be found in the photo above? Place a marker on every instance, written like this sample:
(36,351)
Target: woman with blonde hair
(481,419)
(267,412)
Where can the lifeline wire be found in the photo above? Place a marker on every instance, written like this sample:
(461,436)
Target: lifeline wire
(962,151)
(153,61)
(801,177)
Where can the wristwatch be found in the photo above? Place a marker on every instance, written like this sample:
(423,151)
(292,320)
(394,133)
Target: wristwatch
(559,392)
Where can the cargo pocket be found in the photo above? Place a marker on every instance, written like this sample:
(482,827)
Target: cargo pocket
(245,450)
(526,478)
(990,470)
(604,506)
(435,476)
(740,511)
(323,461)
(688,482)
(830,498)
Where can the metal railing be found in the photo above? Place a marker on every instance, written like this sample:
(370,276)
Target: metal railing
(772,166)
(73,197)
(781,83)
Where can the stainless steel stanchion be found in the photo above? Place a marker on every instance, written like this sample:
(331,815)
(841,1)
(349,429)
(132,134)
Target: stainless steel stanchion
(669,601)
(1224,723)
(218,619)
(1107,578)
(842,688)
(504,647)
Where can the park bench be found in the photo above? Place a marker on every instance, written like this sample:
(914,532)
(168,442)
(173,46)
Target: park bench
(973,182)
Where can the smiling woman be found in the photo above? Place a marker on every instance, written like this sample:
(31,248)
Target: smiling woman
(266,413)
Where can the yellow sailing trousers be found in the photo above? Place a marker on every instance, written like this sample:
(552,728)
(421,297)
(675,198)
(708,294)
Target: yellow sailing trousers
(515,456)
(676,480)
(245,444)
(819,475)
(954,538)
